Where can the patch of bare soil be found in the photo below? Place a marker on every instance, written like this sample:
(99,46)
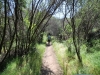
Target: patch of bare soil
(50,64)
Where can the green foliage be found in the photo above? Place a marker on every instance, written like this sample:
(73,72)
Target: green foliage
(40,49)
(69,61)
(91,63)
(60,51)
(77,22)
(22,3)
(68,28)
(26,21)
(27,65)
(38,17)
(96,45)
(44,38)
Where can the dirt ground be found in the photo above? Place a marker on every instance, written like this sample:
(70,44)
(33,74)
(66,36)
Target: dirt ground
(50,63)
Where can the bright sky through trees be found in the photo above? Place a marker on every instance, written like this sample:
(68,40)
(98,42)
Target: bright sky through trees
(59,15)
(60,12)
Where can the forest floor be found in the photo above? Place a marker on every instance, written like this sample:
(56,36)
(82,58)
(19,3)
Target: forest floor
(50,64)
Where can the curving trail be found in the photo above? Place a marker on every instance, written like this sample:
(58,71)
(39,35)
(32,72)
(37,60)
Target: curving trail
(50,63)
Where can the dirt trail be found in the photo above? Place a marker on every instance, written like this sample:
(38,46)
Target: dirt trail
(50,63)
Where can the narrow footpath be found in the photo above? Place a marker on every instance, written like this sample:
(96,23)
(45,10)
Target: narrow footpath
(50,63)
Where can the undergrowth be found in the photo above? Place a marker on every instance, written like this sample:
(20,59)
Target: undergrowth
(69,62)
(60,51)
(27,64)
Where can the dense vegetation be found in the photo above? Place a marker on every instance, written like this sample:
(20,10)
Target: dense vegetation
(23,23)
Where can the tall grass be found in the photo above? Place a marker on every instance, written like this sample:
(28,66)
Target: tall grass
(60,51)
(27,65)
(69,61)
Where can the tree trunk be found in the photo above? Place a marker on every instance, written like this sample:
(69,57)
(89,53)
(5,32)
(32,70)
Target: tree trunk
(76,45)
(4,30)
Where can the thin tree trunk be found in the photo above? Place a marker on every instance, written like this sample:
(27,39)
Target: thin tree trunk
(4,30)
(16,22)
(77,48)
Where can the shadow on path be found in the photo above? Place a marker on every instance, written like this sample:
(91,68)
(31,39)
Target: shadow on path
(46,71)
